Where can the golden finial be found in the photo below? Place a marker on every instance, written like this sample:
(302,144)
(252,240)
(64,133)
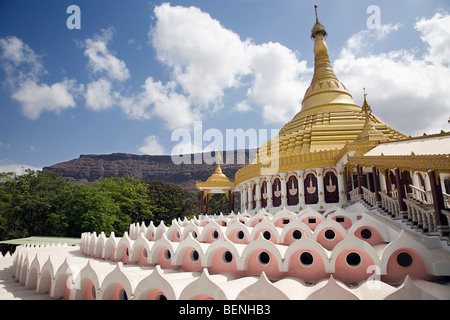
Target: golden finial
(318,27)
(315,9)
(218,156)
(366,107)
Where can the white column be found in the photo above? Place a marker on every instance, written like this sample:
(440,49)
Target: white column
(442,177)
(341,185)
(269,192)
(250,197)
(426,179)
(242,189)
(301,187)
(283,189)
(258,194)
(383,187)
(320,188)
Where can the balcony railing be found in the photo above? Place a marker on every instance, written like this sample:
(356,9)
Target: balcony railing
(369,197)
(390,205)
(421,216)
(354,195)
(421,195)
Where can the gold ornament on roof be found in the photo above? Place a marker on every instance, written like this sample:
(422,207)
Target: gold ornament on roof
(218,178)
(318,27)
(366,107)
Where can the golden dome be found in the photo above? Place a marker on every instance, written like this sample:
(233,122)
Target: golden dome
(218,176)
(217,179)
(328,120)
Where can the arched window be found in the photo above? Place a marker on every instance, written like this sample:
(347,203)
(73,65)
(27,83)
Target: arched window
(292,188)
(276,191)
(311,192)
(331,187)
(254,196)
(264,194)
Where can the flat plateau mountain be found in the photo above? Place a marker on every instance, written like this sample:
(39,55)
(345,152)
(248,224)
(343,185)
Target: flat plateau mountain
(89,168)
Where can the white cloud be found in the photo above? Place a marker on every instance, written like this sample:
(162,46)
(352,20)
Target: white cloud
(36,98)
(186,147)
(23,69)
(172,107)
(151,146)
(98,95)
(242,106)
(163,101)
(436,33)
(206,59)
(364,40)
(407,91)
(280,81)
(18,169)
(19,61)
(101,60)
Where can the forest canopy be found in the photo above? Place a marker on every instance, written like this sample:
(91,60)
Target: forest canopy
(41,203)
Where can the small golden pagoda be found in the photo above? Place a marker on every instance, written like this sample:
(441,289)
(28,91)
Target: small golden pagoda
(217,183)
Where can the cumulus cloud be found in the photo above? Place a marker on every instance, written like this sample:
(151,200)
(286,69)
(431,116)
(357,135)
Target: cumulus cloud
(24,68)
(18,169)
(36,98)
(436,33)
(151,146)
(98,95)
(408,91)
(101,60)
(163,101)
(206,59)
(19,61)
(280,81)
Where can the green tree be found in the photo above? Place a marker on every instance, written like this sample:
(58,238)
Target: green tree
(169,201)
(86,208)
(218,203)
(28,200)
(131,196)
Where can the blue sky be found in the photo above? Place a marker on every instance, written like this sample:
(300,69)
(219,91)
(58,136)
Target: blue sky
(137,71)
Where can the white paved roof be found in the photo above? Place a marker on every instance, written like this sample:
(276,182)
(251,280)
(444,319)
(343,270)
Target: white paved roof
(425,146)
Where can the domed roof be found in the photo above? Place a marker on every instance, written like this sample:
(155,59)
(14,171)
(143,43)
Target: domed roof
(217,179)
(218,176)
(328,120)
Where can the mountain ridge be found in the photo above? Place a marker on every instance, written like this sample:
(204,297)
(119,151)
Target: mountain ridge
(91,167)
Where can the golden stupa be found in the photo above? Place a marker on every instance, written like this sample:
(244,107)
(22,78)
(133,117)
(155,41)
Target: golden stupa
(328,120)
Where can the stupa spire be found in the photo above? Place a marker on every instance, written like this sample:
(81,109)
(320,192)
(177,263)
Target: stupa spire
(218,159)
(318,27)
(324,79)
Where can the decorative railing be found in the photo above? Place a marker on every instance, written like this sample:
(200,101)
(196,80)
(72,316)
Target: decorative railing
(446,200)
(390,204)
(421,195)
(394,193)
(421,216)
(446,213)
(426,197)
(354,195)
(369,196)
